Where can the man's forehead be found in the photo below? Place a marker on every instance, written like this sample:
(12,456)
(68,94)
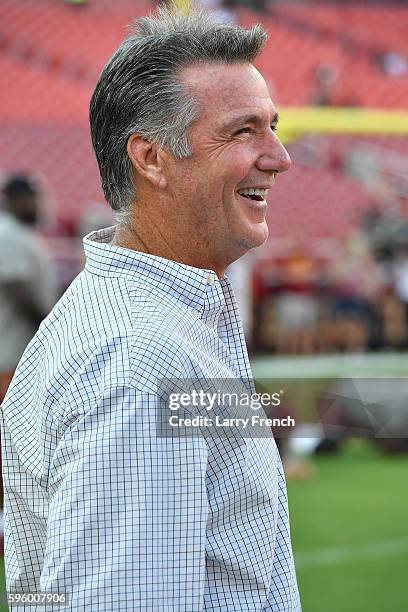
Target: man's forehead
(229,91)
(206,76)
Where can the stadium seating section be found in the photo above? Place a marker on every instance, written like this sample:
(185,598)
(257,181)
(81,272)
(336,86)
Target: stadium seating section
(51,54)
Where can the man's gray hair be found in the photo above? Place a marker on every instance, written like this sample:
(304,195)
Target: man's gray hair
(140,89)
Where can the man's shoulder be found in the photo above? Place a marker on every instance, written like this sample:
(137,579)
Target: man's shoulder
(96,308)
(103,335)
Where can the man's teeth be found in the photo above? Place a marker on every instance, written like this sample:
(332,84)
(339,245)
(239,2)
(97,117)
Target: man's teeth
(253,192)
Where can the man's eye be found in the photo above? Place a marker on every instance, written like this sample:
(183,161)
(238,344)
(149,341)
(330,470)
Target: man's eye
(248,130)
(244,130)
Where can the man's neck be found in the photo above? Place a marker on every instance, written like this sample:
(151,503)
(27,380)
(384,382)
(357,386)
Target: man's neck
(155,243)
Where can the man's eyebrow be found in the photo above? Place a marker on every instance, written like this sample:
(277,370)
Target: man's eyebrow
(243,119)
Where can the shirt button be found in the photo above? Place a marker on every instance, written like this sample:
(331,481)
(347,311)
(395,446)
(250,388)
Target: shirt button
(211,278)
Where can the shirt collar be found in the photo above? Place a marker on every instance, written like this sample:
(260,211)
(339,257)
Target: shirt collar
(195,287)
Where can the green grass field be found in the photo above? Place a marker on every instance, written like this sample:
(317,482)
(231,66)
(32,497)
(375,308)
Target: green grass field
(349,532)
(2,584)
(349,521)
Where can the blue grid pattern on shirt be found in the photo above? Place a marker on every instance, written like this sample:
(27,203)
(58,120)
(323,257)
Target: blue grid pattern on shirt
(96,505)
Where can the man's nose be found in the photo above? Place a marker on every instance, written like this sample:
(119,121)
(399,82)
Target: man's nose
(274,157)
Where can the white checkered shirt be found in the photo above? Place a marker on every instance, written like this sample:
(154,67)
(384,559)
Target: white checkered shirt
(98,506)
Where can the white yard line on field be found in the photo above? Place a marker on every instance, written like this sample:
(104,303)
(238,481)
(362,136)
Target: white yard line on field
(332,556)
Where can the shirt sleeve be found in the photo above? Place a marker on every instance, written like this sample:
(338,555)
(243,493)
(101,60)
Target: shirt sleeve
(128,511)
(283,595)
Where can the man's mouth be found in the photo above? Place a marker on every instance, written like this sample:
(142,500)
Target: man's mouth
(259,195)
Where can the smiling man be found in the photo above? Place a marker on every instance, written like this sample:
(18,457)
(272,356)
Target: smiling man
(114,515)
(208,208)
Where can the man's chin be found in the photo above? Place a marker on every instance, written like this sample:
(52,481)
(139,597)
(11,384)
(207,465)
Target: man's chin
(255,238)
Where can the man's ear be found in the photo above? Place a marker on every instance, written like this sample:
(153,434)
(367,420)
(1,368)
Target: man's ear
(147,160)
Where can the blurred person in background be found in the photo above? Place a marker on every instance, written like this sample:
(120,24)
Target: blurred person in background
(27,281)
(325,77)
(355,284)
(297,306)
(400,274)
(329,88)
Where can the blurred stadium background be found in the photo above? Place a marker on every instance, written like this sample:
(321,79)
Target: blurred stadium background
(327,295)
